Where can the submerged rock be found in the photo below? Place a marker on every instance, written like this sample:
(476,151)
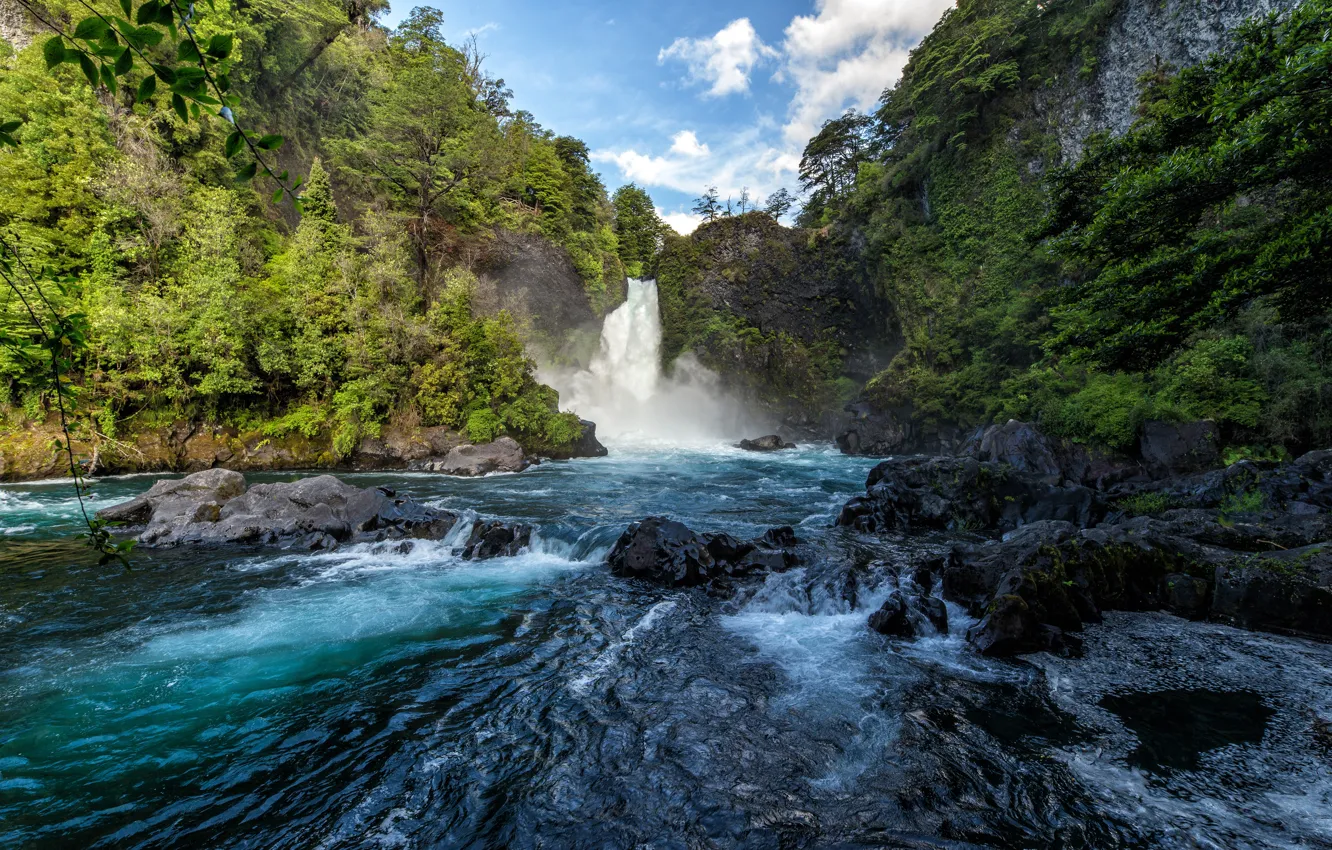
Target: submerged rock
(503,455)
(667,552)
(771,443)
(905,615)
(215,508)
(962,494)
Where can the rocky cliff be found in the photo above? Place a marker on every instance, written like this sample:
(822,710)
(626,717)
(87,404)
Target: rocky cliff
(1144,37)
(788,317)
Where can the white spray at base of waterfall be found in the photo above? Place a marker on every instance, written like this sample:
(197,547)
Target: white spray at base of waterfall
(626,393)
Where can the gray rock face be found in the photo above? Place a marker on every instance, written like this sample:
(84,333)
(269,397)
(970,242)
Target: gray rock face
(1025,448)
(503,455)
(880,433)
(1171,448)
(771,443)
(667,552)
(496,540)
(914,494)
(907,616)
(588,445)
(215,508)
(1143,34)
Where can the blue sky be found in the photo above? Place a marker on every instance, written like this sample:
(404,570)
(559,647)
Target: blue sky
(677,96)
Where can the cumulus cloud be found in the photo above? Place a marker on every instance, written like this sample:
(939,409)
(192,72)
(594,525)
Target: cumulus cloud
(683,223)
(739,161)
(724,61)
(846,54)
(686,142)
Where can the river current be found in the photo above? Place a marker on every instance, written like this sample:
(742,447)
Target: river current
(375,698)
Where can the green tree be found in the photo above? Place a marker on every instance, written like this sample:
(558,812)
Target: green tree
(637,227)
(421,129)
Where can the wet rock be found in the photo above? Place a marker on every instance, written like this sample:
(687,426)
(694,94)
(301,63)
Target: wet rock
(1010,627)
(665,552)
(1019,445)
(894,618)
(877,432)
(503,455)
(1052,460)
(913,494)
(908,616)
(1171,448)
(670,553)
(1286,591)
(1186,595)
(496,540)
(772,443)
(214,507)
(588,445)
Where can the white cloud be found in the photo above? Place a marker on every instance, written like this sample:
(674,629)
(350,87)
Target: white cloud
(846,54)
(683,223)
(481,30)
(742,160)
(724,61)
(686,143)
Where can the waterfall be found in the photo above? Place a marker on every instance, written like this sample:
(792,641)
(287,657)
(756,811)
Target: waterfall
(626,393)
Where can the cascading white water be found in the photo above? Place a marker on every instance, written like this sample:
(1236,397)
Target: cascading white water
(630,356)
(625,392)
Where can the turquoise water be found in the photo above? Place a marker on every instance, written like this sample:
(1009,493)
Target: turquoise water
(379,698)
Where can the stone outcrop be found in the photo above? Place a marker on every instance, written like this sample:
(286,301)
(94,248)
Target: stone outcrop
(1027,449)
(503,455)
(216,508)
(1176,448)
(875,432)
(771,443)
(1249,545)
(1043,583)
(961,494)
(587,445)
(669,553)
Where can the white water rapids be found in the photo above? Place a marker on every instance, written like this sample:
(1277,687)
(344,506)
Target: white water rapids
(626,393)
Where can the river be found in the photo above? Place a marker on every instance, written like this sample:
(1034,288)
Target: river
(379,698)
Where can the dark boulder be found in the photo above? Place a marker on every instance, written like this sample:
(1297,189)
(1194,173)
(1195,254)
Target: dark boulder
(1172,448)
(1195,563)
(771,443)
(1285,591)
(215,508)
(496,539)
(503,455)
(1049,459)
(906,615)
(587,444)
(665,552)
(894,618)
(878,432)
(912,494)
(669,553)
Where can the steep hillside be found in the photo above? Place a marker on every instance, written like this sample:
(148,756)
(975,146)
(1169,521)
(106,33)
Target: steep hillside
(442,232)
(1004,104)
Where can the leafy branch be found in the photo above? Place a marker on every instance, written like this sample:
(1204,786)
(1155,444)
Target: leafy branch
(162,35)
(60,341)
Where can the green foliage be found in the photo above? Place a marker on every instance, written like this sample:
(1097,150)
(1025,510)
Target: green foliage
(1146,504)
(638,229)
(1217,197)
(199,303)
(1184,273)
(1243,502)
